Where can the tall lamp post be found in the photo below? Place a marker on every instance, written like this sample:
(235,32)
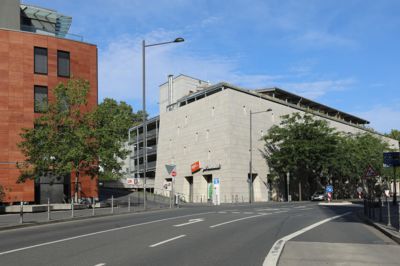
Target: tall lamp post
(250,179)
(144,46)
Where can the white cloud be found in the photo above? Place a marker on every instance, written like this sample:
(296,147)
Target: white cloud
(322,38)
(382,118)
(316,89)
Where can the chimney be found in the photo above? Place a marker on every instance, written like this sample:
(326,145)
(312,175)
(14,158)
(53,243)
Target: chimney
(170,89)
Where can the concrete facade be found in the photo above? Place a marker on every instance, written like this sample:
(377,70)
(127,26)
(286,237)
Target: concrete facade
(214,130)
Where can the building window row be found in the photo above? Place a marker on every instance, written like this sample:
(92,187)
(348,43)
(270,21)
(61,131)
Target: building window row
(41,62)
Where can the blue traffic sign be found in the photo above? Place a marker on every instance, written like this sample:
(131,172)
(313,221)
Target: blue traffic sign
(216,181)
(391,159)
(329,189)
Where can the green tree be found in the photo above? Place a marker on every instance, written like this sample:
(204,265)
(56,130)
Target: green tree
(302,146)
(71,137)
(394,134)
(112,121)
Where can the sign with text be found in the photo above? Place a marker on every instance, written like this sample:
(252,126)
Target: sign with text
(195,167)
(391,159)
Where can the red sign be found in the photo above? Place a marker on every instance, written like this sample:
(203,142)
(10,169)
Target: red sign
(195,167)
(173,173)
(370,172)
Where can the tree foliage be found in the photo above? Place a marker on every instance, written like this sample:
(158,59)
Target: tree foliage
(315,154)
(71,137)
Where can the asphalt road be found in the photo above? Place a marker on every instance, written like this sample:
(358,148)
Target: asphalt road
(224,235)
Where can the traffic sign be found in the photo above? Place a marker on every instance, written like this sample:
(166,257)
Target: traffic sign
(391,159)
(171,169)
(370,172)
(359,189)
(216,181)
(329,189)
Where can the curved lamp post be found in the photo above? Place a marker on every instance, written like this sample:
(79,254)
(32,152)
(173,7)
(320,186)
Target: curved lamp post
(144,46)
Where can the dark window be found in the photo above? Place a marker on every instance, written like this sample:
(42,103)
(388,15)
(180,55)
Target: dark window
(63,64)
(40,99)
(40,59)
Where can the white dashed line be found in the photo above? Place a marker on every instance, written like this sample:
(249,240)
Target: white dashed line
(166,241)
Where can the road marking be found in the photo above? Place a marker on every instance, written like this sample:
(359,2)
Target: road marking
(100,264)
(222,212)
(98,232)
(273,255)
(299,207)
(268,209)
(191,221)
(248,212)
(240,219)
(165,241)
(236,212)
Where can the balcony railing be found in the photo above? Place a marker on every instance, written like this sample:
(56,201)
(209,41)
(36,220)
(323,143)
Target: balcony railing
(69,36)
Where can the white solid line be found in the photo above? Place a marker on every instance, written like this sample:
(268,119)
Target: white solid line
(273,255)
(99,232)
(100,264)
(165,241)
(240,219)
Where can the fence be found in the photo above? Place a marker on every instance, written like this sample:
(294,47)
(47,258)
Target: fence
(382,211)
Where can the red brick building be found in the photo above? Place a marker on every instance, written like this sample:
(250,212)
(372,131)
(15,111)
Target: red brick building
(32,63)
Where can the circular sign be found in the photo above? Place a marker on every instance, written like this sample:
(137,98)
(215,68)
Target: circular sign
(173,173)
(359,189)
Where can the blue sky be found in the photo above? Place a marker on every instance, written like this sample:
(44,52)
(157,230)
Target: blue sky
(344,54)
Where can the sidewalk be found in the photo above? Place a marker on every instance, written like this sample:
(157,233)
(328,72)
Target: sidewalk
(379,218)
(9,221)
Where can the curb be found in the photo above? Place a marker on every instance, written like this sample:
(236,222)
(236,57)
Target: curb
(382,228)
(33,224)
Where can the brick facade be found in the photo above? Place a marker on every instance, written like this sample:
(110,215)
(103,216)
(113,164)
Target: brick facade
(17,81)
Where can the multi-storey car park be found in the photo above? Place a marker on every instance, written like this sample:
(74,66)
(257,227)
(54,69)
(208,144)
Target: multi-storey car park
(204,130)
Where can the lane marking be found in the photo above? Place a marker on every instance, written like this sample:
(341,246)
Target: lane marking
(248,212)
(299,207)
(165,241)
(240,219)
(222,212)
(191,221)
(100,264)
(98,232)
(236,212)
(275,252)
(268,209)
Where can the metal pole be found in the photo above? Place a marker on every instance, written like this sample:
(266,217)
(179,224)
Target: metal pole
(395,187)
(72,208)
(250,178)
(130,152)
(21,213)
(93,206)
(287,185)
(112,203)
(388,208)
(48,209)
(129,203)
(144,124)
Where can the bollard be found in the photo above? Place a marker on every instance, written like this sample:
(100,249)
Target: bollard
(48,209)
(380,210)
(388,209)
(112,204)
(21,213)
(72,208)
(129,203)
(93,206)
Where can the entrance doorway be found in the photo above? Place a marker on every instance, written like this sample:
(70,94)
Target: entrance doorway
(209,187)
(190,181)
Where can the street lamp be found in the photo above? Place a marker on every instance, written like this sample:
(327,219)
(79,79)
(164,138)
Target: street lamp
(144,46)
(250,179)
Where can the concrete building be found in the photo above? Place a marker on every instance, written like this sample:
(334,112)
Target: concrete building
(36,54)
(204,131)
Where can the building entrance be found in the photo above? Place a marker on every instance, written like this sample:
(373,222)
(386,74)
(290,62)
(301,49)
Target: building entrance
(209,194)
(190,181)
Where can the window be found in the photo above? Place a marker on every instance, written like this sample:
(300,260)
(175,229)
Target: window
(40,99)
(40,58)
(63,65)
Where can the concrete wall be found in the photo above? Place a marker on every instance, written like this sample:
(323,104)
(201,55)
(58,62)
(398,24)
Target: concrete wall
(182,86)
(215,130)
(10,14)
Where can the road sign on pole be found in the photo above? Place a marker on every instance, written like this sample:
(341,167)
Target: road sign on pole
(171,168)
(391,159)
(370,172)
(329,189)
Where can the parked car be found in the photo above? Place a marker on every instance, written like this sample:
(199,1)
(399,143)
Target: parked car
(318,195)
